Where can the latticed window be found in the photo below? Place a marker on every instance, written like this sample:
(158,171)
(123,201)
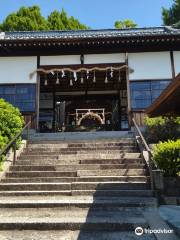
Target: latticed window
(22,96)
(143,93)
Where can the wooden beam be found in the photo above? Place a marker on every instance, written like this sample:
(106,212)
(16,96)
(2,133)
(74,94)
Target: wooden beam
(37,94)
(128,91)
(172,64)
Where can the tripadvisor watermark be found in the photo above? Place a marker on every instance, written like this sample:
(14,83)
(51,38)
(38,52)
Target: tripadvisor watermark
(140,231)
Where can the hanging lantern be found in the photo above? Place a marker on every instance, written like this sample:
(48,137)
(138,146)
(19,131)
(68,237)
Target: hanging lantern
(82,79)
(106,79)
(45,81)
(71,82)
(111,73)
(63,73)
(94,78)
(75,76)
(57,79)
(87,73)
(119,79)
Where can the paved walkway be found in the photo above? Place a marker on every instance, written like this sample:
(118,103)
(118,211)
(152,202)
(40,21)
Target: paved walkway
(171,214)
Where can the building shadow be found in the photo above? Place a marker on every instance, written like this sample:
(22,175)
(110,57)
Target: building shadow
(107,215)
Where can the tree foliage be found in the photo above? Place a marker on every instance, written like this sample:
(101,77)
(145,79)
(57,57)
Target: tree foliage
(11,120)
(30,19)
(162,129)
(166,156)
(25,19)
(171,16)
(60,21)
(127,23)
(11,123)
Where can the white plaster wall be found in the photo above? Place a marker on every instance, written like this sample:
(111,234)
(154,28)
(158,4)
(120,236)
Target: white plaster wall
(17,69)
(150,65)
(104,58)
(60,60)
(177,62)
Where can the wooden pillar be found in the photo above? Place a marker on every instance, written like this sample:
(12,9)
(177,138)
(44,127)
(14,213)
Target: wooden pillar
(172,65)
(128,91)
(37,94)
(54,108)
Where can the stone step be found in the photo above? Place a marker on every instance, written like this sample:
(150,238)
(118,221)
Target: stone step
(117,142)
(83,148)
(63,167)
(46,174)
(109,186)
(85,142)
(91,186)
(78,179)
(32,174)
(94,193)
(84,219)
(113,161)
(114,172)
(73,186)
(34,186)
(93,156)
(70,202)
(72,161)
(72,235)
(81,151)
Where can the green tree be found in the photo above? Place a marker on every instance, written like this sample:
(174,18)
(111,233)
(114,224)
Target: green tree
(25,19)
(55,21)
(127,23)
(171,16)
(30,19)
(60,21)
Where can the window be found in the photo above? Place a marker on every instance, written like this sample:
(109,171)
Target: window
(22,96)
(143,93)
(10,90)
(22,90)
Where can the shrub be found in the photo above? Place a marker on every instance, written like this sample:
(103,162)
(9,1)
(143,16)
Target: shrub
(167,157)
(11,123)
(162,129)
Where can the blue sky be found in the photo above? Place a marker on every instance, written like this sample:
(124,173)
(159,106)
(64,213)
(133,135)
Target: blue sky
(97,13)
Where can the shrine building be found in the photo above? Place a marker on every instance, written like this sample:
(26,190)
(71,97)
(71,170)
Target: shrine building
(87,79)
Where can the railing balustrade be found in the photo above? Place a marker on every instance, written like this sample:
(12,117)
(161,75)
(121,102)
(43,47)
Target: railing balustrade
(13,143)
(144,146)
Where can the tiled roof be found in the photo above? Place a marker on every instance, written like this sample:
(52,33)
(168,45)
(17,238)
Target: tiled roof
(83,34)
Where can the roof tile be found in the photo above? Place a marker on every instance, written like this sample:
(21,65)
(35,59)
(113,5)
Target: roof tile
(79,34)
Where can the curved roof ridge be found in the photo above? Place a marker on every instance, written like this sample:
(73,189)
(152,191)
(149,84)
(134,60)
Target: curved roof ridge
(88,30)
(91,33)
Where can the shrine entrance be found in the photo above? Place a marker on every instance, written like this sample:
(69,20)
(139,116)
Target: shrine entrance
(85,101)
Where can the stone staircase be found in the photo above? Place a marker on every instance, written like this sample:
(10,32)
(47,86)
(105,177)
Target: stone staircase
(90,189)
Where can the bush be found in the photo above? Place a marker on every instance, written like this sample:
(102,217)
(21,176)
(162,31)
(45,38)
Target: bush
(167,157)
(11,123)
(162,129)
